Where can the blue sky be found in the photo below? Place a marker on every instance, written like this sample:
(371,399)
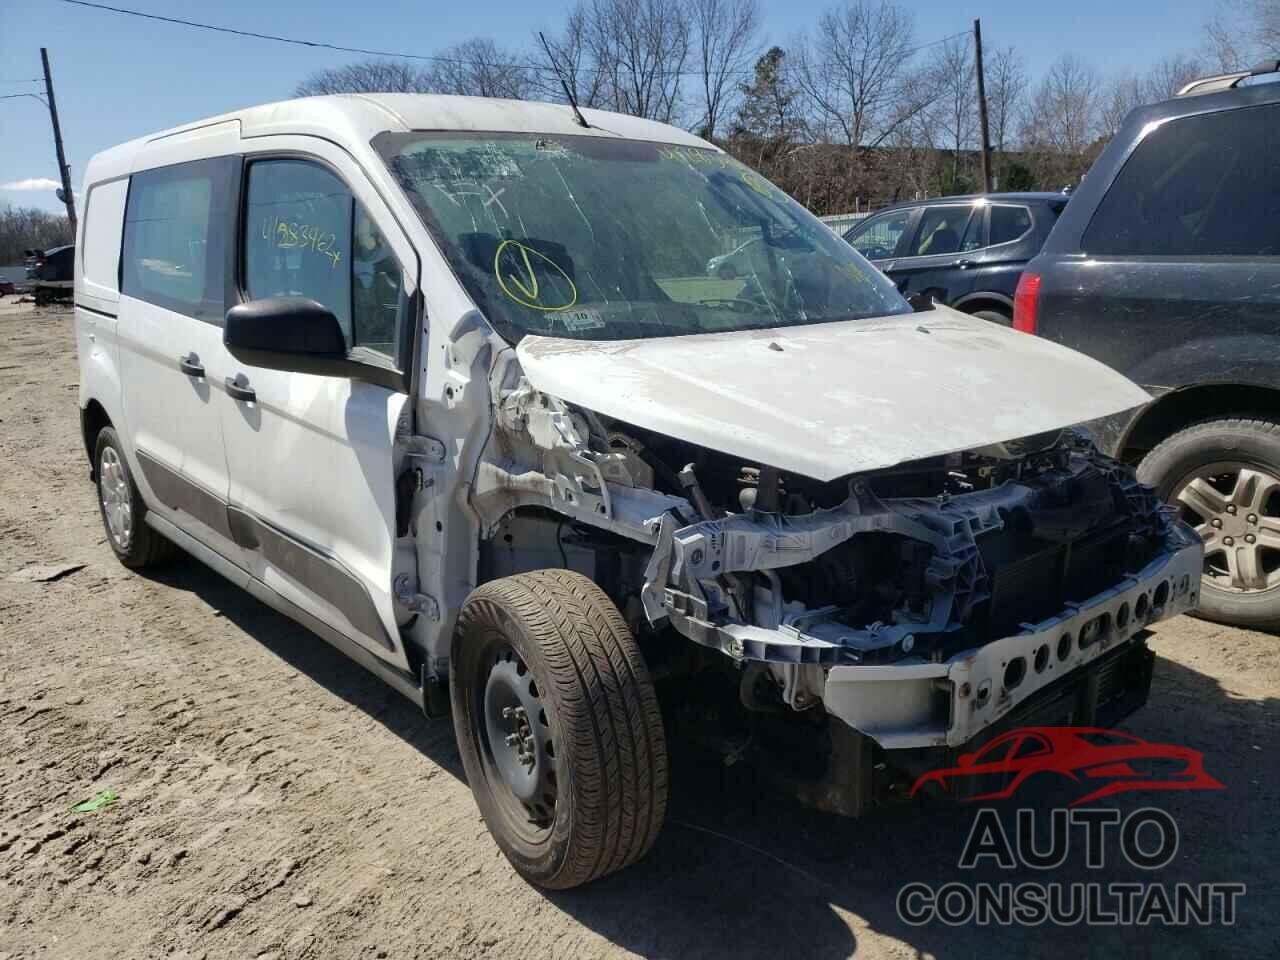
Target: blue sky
(119,77)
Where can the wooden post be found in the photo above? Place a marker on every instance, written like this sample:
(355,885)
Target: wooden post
(68,196)
(982,107)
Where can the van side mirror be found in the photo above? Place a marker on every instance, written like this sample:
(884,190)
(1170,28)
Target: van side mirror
(296,334)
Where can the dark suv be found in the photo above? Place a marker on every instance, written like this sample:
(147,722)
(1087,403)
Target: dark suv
(965,252)
(1166,266)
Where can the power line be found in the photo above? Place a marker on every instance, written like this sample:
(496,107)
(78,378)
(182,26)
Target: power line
(319,44)
(250,33)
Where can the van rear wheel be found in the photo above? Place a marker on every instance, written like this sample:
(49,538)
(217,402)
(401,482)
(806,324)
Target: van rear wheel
(558,726)
(123,510)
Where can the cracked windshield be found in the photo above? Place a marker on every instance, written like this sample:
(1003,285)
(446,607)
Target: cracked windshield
(600,239)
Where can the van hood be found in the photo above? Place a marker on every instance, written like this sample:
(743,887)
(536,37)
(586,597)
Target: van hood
(831,399)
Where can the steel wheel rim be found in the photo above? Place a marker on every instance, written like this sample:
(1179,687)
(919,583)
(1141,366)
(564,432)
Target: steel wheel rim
(519,752)
(117,501)
(1235,508)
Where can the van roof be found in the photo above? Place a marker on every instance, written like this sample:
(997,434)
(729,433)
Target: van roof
(354,119)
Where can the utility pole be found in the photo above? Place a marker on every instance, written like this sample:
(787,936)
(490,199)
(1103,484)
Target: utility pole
(982,107)
(67,196)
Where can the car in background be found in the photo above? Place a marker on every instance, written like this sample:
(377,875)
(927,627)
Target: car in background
(966,252)
(7,287)
(55,274)
(30,261)
(735,263)
(1166,266)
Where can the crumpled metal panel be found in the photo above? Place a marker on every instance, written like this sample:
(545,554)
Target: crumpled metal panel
(830,399)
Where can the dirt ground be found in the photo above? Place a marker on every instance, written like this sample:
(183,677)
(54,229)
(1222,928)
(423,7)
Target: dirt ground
(276,801)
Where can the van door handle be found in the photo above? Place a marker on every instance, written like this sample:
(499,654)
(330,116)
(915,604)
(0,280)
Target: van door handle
(191,365)
(240,391)
(964,264)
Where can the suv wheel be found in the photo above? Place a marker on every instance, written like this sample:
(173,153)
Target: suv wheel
(558,727)
(122,508)
(1224,478)
(994,316)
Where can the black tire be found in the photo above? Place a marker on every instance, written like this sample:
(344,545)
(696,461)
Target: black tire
(1168,468)
(142,547)
(605,750)
(994,316)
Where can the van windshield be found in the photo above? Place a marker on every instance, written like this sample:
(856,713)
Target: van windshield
(602,239)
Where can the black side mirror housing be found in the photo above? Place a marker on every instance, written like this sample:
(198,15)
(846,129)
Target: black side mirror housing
(288,333)
(921,301)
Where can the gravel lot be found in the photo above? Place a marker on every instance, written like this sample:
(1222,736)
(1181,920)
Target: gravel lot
(275,801)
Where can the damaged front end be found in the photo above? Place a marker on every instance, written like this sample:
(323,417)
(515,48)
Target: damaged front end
(921,620)
(891,616)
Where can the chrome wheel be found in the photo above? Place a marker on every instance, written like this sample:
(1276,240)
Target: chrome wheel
(518,741)
(117,498)
(1235,508)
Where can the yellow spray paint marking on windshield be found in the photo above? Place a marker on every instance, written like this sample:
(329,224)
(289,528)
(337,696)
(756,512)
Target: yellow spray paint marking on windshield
(525,280)
(758,184)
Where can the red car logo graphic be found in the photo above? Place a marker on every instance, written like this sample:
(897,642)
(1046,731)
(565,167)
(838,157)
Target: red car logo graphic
(1086,755)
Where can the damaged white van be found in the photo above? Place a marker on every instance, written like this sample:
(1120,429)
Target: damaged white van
(447,381)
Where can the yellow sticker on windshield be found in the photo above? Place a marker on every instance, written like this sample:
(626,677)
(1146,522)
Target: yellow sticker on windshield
(757,183)
(521,280)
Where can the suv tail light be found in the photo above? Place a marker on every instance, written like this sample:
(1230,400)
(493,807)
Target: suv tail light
(1026,302)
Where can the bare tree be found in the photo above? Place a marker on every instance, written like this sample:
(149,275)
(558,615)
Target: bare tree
(725,32)
(643,46)
(479,68)
(476,68)
(1120,95)
(853,71)
(917,169)
(572,54)
(23,228)
(1006,86)
(1127,91)
(1241,32)
(952,78)
(1062,119)
(1170,74)
(367,76)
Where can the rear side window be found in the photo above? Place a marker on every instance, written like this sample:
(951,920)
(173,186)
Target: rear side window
(1009,223)
(103,225)
(175,239)
(1201,186)
(306,236)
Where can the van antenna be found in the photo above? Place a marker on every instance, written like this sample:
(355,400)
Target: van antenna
(582,121)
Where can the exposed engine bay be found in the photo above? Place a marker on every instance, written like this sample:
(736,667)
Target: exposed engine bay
(916,605)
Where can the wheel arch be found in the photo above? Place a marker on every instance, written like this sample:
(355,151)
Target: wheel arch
(985,300)
(1183,407)
(93,418)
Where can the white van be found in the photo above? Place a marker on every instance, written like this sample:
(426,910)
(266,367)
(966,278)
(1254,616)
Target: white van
(447,380)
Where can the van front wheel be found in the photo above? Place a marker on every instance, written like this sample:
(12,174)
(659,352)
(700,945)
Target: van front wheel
(558,726)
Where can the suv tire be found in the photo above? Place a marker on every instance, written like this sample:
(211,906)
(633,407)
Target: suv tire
(122,508)
(558,726)
(1199,470)
(994,316)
